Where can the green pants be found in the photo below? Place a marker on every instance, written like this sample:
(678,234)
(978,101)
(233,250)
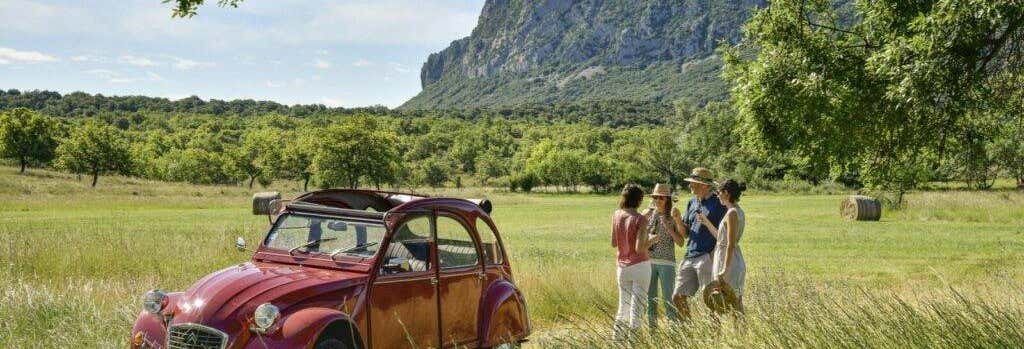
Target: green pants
(665,275)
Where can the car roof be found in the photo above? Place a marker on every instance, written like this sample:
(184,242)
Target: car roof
(373,204)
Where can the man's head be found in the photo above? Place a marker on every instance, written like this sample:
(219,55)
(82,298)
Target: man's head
(700,181)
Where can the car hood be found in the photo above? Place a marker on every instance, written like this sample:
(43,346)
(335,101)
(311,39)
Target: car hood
(230,295)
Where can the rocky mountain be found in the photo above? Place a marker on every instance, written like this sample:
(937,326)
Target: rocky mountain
(565,51)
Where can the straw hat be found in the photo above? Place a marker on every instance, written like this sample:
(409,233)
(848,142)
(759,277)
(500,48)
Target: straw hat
(700,175)
(720,297)
(662,189)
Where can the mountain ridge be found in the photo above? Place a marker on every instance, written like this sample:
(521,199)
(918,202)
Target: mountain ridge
(563,51)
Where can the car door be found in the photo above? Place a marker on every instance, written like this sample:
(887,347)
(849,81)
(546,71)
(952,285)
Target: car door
(404,301)
(461,275)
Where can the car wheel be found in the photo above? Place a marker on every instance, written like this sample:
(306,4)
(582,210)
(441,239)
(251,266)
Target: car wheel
(332,343)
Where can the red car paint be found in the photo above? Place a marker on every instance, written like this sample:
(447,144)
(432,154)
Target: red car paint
(472,306)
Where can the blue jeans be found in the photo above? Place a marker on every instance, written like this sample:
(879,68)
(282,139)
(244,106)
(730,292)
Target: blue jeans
(665,274)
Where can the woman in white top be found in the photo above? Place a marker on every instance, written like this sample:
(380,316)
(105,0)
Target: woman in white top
(728,266)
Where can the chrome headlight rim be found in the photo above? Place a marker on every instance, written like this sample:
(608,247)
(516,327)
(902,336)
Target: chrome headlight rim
(154,301)
(265,316)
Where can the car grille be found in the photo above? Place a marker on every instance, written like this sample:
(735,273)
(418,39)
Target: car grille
(193,336)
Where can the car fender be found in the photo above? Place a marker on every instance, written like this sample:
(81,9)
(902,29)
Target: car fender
(503,315)
(302,328)
(152,326)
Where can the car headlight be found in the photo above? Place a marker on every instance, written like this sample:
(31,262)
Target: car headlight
(264,316)
(154,301)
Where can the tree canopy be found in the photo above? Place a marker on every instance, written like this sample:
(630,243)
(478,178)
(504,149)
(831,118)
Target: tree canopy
(877,87)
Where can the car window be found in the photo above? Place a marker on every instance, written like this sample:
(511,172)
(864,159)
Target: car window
(352,238)
(409,249)
(455,247)
(489,243)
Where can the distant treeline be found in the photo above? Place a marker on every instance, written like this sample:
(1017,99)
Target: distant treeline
(362,148)
(612,113)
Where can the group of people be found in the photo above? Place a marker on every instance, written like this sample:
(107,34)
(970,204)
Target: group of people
(709,230)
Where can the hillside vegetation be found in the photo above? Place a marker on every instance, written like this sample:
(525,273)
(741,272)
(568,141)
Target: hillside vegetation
(568,51)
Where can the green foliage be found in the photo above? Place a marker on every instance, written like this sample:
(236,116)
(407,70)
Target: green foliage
(297,156)
(95,149)
(259,154)
(882,96)
(187,8)
(354,151)
(432,172)
(27,136)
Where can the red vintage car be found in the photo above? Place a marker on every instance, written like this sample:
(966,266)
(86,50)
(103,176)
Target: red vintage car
(352,269)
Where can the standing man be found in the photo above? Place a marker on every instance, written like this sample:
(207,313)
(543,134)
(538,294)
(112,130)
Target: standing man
(695,270)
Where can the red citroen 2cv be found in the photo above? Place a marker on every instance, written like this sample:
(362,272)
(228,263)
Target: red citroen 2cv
(352,269)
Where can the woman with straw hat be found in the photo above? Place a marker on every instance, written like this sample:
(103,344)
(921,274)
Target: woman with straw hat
(665,222)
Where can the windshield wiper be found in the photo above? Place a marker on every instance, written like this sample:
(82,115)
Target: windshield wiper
(353,248)
(311,243)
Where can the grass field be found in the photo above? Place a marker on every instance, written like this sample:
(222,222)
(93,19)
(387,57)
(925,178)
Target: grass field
(945,271)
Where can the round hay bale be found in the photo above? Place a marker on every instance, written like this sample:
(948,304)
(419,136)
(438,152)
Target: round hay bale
(263,203)
(861,208)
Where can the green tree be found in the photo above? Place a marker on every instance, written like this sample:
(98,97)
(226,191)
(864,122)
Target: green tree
(432,172)
(881,89)
(355,150)
(95,149)
(297,156)
(259,154)
(27,136)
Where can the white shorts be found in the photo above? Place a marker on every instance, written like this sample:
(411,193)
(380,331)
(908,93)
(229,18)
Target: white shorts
(694,273)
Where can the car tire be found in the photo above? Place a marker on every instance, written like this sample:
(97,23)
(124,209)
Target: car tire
(332,343)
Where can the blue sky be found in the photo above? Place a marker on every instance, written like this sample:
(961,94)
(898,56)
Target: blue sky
(338,53)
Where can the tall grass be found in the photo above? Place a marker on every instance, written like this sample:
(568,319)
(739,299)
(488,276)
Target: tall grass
(793,315)
(74,261)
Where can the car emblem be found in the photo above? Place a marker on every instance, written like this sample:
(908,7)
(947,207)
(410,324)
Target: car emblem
(192,339)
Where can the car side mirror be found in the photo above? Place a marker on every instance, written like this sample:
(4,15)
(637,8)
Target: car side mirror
(396,265)
(240,244)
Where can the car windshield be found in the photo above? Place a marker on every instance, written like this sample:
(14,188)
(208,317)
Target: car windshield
(299,233)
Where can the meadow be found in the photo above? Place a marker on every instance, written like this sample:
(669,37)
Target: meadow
(946,271)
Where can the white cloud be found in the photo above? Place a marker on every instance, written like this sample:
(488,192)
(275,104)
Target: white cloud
(321,64)
(315,77)
(88,58)
(188,64)
(362,63)
(4,61)
(321,52)
(137,61)
(299,82)
(272,84)
(331,102)
(400,68)
(11,55)
(120,78)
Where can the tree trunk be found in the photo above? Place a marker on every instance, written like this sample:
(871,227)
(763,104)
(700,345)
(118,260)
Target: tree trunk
(305,184)
(1020,182)
(95,176)
(22,165)
(251,180)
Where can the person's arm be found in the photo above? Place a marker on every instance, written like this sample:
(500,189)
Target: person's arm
(731,222)
(614,243)
(678,232)
(643,240)
(703,220)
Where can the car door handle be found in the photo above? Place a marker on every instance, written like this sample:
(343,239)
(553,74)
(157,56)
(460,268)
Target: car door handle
(433,280)
(481,276)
